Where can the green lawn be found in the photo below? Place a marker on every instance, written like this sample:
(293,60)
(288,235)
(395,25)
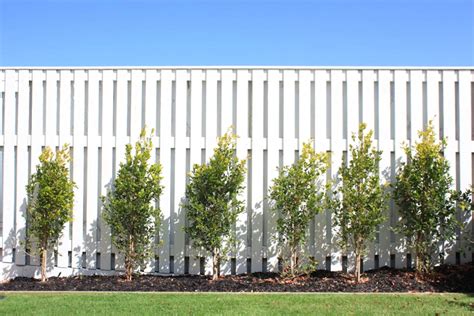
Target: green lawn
(233,304)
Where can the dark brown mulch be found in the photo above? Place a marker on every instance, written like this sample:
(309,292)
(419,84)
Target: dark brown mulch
(443,279)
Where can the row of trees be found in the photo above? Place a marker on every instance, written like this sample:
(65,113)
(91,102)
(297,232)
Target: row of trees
(427,204)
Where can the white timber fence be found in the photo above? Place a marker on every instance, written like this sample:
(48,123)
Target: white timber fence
(97,110)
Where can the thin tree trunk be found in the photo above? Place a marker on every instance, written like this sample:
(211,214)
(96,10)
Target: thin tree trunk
(420,255)
(128,270)
(43,256)
(215,264)
(357,266)
(358,254)
(128,262)
(293,260)
(420,262)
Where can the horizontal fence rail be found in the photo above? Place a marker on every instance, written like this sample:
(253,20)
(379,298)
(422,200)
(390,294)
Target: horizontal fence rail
(97,111)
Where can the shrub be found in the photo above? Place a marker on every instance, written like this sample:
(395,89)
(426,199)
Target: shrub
(50,194)
(427,203)
(128,210)
(360,200)
(297,197)
(212,203)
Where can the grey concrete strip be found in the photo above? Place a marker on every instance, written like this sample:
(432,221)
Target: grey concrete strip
(235,293)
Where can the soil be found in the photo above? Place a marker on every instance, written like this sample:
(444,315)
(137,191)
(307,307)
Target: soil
(443,279)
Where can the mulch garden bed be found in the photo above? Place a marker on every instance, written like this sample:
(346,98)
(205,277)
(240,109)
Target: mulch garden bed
(443,279)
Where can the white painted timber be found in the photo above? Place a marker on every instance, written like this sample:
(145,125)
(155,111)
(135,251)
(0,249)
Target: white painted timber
(242,129)
(77,167)
(165,160)
(64,133)
(400,137)
(337,147)
(257,167)
(272,162)
(22,163)
(449,128)
(384,121)
(322,220)
(9,233)
(106,164)
(273,110)
(465,156)
(180,169)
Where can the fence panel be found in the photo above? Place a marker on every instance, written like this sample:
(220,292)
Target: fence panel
(97,111)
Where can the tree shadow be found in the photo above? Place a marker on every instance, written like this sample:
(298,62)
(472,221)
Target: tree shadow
(25,261)
(249,239)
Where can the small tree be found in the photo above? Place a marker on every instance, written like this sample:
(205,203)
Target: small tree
(427,203)
(297,197)
(360,199)
(212,203)
(128,210)
(50,194)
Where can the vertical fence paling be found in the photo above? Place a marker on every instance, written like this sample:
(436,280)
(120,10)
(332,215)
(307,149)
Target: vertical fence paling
(22,161)
(465,148)
(449,127)
(64,131)
(322,238)
(98,111)
(256,164)
(272,162)
(385,144)
(183,85)
(107,108)
(241,128)
(165,159)
(9,228)
(400,136)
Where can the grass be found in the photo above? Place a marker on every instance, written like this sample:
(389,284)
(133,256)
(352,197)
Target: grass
(70,303)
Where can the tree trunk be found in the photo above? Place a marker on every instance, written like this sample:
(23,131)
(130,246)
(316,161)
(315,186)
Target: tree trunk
(128,270)
(357,266)
(43,256)
(128,261)
(420,262)
(420,256)
(358,248)
(293,260)
(215,264)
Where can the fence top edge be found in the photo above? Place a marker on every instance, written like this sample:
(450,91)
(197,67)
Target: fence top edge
(237,67)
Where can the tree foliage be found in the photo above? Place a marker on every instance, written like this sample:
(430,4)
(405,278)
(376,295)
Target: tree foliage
(50,201)
(297,195)
(427,203)
(128,207)
(360,200)
(212,203)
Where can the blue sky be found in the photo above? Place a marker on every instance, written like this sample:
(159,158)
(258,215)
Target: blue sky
(313,33)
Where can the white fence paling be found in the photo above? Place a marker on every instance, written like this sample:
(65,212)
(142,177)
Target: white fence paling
(22,155)
(322,225)
(165,160)
(180,156)
(64,125)
(241,128)
(449,127)
(97,111)
(400,136)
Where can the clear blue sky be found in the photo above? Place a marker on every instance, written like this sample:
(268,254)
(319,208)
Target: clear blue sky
(319,33)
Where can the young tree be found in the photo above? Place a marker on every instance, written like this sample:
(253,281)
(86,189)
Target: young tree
(297,196)
(427,203)
(128,207)
(212,203)
(50,194)
(360,197)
